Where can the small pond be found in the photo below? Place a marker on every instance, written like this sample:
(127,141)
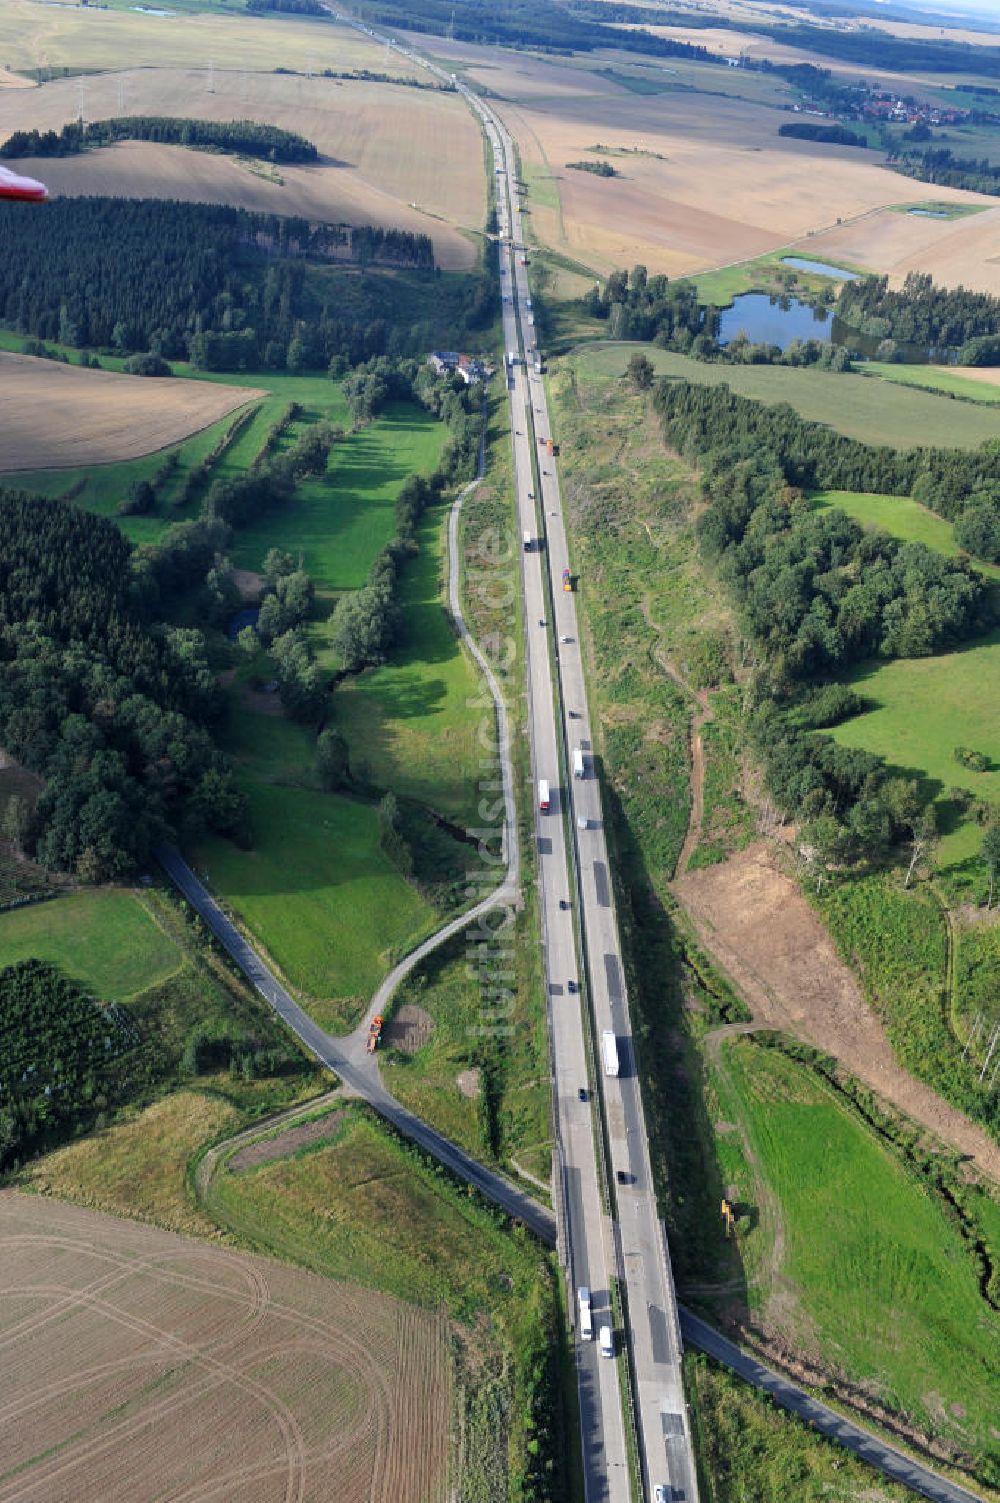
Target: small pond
(246,617)
(930,213)
(770,320)
(820,268)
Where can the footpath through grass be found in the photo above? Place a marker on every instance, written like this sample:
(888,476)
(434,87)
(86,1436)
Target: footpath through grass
(873,412)
(104,938)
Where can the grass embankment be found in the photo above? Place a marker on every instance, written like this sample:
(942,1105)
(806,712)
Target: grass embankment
(749,1448)
(486,1091)
(644,599)
(651,608)
(873,1279)
(105,939)
(873,412)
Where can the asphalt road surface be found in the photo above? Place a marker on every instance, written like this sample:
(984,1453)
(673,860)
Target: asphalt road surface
(633,1244)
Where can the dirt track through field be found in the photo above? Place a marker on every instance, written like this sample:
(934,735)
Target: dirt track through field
(56,416)
(758,926)
(216,1374)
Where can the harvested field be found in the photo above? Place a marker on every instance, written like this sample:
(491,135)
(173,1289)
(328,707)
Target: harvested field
(954,251)
(406,158)
(55,415)
(715,183)
(34,34)
(754,920)
(409,1029)
(218,1375)
(267,1150)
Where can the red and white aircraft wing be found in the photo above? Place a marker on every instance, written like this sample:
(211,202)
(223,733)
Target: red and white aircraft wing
(12,186)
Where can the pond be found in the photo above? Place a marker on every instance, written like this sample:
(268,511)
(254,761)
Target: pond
(246,617)
(770,320)
(820,268)
(930,213)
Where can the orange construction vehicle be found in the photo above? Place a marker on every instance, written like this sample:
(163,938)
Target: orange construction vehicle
(374,1032)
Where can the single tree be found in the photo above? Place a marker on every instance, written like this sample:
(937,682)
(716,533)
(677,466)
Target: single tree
(640,371)
(923,837)
(331,759)
(991,855)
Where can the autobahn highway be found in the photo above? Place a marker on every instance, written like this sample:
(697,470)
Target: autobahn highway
(633,1241)
(587,1230)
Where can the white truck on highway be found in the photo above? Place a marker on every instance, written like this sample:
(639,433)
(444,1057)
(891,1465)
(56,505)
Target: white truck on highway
(527,542)
(586,1319)
(607,1342)
(543,795)
(579,770)
(609,1048)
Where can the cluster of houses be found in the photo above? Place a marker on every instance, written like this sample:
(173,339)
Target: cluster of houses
(470,367)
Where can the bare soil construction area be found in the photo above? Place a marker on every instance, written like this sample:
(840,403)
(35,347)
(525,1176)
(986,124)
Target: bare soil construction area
(756,923)
(140,1365)
(55,415)
(405,158)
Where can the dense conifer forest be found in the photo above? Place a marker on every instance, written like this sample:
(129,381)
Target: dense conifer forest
(223,287)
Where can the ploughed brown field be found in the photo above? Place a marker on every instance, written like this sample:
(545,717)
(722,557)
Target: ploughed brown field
(138,1365)
(56,416)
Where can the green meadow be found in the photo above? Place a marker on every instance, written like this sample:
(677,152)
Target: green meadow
(339,521)
(902,517)
(933,378)
(318,892)
(875,413)
(921,709)
(412,724)
(103,938)
(874,1278)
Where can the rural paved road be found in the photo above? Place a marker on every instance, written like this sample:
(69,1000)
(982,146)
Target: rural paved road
(359,1075)
(877,1453)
